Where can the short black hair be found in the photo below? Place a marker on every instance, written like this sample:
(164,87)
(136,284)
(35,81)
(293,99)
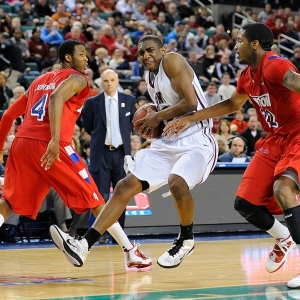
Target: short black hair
(261,33)
(67,47)
(154,38)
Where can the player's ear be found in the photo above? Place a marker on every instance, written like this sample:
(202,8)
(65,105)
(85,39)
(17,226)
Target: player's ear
(163,50)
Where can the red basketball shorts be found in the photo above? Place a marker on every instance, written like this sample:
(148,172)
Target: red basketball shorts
(27,183)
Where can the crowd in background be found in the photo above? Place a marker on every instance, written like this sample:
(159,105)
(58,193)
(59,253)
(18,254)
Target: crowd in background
(33,30)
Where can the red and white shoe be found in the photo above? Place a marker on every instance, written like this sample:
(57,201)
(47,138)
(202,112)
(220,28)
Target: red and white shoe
(278,255)
(135,259)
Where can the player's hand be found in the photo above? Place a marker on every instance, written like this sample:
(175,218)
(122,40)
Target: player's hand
(51,154)
(148,123)
(176,126)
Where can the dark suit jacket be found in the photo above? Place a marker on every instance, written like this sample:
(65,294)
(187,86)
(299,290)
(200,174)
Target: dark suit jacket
(251,140)
(94,122)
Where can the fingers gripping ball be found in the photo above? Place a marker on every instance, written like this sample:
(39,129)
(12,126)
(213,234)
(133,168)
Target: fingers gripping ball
(140,114)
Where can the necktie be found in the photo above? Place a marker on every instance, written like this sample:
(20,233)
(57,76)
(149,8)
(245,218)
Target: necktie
(114,124)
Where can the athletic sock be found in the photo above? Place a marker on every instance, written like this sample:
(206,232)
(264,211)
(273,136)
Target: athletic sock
(92,236)
(292,219)
(186,232)
(1,220)
(279,231)
(120,236)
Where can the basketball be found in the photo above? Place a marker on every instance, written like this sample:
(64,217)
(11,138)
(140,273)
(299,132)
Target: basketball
(140,114)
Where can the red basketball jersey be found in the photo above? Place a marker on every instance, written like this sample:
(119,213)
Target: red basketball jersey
(36,123)
(278,108)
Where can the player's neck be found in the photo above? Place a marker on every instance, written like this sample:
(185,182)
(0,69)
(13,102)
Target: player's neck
(63,66)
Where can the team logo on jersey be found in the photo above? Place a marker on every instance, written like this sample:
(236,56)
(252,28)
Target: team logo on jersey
(45,87)
(263,100)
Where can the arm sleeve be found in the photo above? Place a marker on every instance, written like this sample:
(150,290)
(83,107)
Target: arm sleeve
(13,112)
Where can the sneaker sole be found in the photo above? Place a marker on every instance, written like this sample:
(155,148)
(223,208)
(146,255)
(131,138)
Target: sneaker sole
(138,265)
(174,266)
(60,243)
(284,260)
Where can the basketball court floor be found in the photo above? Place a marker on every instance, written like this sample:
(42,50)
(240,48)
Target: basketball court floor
(221,267)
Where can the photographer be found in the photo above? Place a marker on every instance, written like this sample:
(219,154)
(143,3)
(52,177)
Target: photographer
(13,54)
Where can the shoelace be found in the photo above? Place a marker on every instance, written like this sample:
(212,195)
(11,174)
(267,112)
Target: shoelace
(283,246)
(177,244)
(138,251)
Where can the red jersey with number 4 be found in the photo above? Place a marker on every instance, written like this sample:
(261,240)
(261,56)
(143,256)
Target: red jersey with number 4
(278,108)
(36,123)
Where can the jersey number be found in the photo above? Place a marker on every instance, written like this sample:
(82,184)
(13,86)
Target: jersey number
(38,109)
(269,117)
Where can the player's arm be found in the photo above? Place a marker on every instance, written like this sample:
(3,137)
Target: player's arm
(225,107)
(181,76)
(14,111)
(291,80)
(71,86)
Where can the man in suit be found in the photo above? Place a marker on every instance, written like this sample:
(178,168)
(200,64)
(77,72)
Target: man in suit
(107,151)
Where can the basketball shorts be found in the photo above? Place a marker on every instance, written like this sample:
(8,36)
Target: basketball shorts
(276,155)
(27,183)
(191,157)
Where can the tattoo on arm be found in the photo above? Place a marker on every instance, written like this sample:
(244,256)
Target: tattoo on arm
(290,80)
(81,81)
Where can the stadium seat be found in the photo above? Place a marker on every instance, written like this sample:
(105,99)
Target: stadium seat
(29,79)
(104,16)
(6,8)
(32,65)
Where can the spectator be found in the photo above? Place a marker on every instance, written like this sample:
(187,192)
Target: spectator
(28,16)
(52,58)
(224,131)
(42,9)
(159,3)
(278,29)
(223,48)
(252,134)
(49,35)
(95,21)
(141,100)
(38,49)
(120,65)
(172,15)
(293,34)
(94,89)
(85,153)
(221,67)
(141,90)
(148,22)
(108,38)
(86,28)
(20,42)
(163,27)
(211,95)
(138,69)
(226,89)
(204,20)
(61,15)
(154,11)
(136,144)
(295,59)
(222,147)
(178,27)
(209,60)
(237,148)
(139,14)
(221,35)
(76,34)
(233,18)
(106,6)
(239,121)
(184,9)
(263,15)
(201,37)
(270,22)
(197,66)
(5,92)
(192,46)
(12,53)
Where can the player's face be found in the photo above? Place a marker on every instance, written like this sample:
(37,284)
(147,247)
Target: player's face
(79,60)
(243,48)
(150,55)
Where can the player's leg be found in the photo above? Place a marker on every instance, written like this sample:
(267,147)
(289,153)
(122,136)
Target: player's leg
(258,205)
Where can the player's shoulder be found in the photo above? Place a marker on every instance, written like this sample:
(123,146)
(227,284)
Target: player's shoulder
(172,57)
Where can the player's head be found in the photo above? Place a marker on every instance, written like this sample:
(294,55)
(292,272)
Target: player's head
(151,50)
(253,39)
(72,53)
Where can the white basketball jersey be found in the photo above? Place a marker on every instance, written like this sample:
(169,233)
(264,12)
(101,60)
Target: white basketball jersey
(163,95)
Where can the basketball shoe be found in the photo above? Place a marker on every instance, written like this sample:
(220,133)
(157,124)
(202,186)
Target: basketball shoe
(278,255)
(74,248)
(173,257)
(135,259)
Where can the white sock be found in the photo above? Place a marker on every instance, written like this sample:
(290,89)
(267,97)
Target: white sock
(120,236)
(279,231)
(1,220)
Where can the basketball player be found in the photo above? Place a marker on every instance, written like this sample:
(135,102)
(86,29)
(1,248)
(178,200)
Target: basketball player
(271,181)
(175,89)
(41,155)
